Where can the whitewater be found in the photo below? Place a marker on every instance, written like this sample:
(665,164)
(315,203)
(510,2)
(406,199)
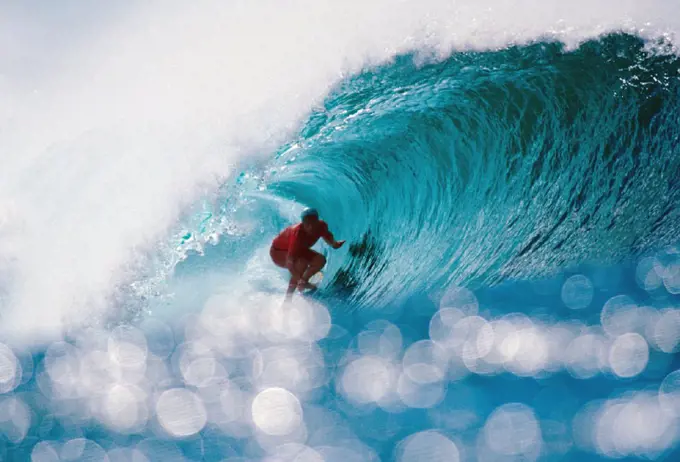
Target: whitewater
(505,174)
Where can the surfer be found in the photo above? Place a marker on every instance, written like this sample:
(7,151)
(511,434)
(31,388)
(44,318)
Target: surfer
(292,250)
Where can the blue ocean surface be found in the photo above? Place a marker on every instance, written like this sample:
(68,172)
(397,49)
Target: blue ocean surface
(509,290)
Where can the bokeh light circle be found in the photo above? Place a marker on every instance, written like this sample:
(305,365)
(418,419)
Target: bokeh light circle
(628,355)
(425,362)
(577,292)
(44,451)
(619,315)
(10,370)
(646,274)
(669,393)
(82,450)
(460,298)
(276,411)
(181,412)
(429,446)
(127,347)
(368,379)
(666,331)
(513,430)
(124,408)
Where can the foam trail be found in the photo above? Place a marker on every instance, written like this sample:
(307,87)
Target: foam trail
(119,119)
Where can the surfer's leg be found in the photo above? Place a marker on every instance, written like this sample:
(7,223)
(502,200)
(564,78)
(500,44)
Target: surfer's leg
(301,266)
(279,258)
(291,289)
(316,262)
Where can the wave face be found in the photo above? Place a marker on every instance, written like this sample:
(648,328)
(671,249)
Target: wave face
(492,165)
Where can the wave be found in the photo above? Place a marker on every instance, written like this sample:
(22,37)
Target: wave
(119,120)
(489,165)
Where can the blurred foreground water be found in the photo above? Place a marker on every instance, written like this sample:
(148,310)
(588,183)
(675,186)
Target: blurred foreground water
(581,366)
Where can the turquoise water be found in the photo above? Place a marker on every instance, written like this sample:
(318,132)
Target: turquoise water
(483,166)
(493,165)
(509,290)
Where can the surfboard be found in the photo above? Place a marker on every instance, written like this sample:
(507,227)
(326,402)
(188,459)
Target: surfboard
(317,278)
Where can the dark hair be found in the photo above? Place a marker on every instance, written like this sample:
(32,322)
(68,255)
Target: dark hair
(309,213)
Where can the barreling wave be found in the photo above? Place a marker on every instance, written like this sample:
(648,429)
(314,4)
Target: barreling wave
(489,165)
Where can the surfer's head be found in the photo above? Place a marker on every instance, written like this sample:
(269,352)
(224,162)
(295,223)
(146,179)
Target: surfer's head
(310,217)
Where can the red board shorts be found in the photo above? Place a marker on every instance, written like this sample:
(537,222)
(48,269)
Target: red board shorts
(279,256)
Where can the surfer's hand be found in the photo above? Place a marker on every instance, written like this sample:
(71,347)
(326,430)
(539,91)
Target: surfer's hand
(338,244)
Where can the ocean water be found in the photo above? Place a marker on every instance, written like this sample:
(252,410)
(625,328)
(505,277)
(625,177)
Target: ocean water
(505,175)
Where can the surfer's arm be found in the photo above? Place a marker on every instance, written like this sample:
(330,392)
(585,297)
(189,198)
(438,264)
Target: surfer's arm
(330,239)
(333,243)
